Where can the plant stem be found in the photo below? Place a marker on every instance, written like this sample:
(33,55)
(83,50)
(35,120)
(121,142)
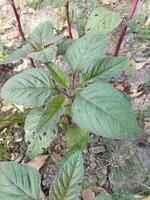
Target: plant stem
(12,3)
(68,19)
(124,27)
(19,27)
(73,81)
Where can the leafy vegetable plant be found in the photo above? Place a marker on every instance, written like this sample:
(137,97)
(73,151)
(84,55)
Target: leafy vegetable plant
(82,100)
(79,99)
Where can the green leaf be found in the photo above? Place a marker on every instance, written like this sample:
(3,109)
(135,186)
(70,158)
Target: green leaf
(67,184)
(103,110)
(31,88)
(106,68)
(19,182)
(76,136)
(58,3)
(84,51)
(58,75)
(52,113)
(103,20)
(103,198)
(42,33)
(62,48)
(38,140)
(69,153)
(54,40)
(45,55)
(19,54)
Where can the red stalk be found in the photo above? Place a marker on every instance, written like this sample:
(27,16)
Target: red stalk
(19,27)
(17,20)
(124,27)
(68,20)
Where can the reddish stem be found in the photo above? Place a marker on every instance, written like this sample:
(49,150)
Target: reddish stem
(68,20)
(124,27)
(21,33)
(17,20)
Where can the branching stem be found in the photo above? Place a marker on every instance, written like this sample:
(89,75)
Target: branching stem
(124,27)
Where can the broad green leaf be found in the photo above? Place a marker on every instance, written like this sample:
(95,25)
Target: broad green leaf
(19,182)
(38,140)
(58,3)
(53,40)
(58,75)
(105,68)
(45,55)
(62,48)
(67,184)
(76,136)
(103,110)
(31,88)
(86,50)
(18,54)
(69,153)
(103,20)
(103,198)
(52,113)
(42,33)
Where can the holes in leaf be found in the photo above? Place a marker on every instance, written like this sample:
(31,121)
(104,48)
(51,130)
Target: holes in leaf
(28,142)
(88,29)
(40,137)
(44,134)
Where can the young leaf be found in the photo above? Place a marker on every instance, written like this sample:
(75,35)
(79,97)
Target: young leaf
(45,55)
(103,110)
(42,33)
(38,140)
(19,182)
(103,20)
(18,54)
(58,75)
(105,68)
(76,136)
(52,113)
(69,153)
(30,88)
(58,3)
(84,51)
(67,184)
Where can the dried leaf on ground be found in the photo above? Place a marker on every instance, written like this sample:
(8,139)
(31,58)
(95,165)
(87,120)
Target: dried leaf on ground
(38,162)
(55,157)
(42,195)
(147,198)
(140,65)
(90,193)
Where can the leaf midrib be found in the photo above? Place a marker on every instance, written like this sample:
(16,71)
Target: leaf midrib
(68,184)
(102,110)
(25,192)
(101,70)
(60,80)
(55,111)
